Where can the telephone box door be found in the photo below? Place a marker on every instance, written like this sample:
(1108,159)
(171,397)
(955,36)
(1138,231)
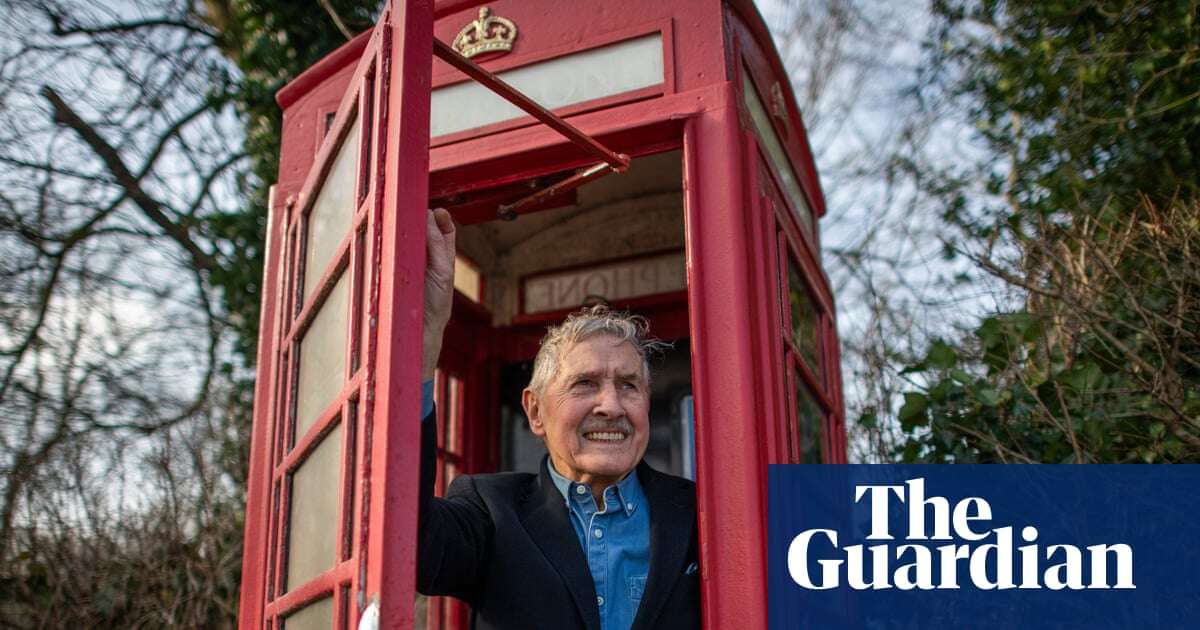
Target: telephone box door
(330,533)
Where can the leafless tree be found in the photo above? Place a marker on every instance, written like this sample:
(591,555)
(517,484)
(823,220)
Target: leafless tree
(117,138)
(856,71)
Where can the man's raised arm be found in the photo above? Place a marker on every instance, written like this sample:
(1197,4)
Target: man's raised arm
(439,286)
(453,533)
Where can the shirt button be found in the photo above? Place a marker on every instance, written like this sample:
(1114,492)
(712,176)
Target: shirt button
(599,533)
(579,490)
(599,600)
(629,506)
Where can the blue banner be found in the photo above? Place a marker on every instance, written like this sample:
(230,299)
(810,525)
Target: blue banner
(973,546)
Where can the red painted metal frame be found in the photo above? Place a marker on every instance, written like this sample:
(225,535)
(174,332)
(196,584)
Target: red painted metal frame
(443,8)
(797,241)
(547,156)
(311,79)
(765,281)
(465,443)
(446,612)
(545,196)
(822,384)
(754,47)
(343,412)
(480,206)
(724,375)
(735,252)
(390,566)
(373,406)
(289,450)
(257,493)
(816,377)
(532,152)
(733,286)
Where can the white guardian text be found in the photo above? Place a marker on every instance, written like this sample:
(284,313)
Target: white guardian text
(973,554)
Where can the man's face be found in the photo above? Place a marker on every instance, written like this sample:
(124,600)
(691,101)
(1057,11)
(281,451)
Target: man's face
(594,413)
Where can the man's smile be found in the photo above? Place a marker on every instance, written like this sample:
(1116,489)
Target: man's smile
(605,436)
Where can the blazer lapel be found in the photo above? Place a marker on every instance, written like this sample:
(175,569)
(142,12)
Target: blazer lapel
(672,517)
(549,525)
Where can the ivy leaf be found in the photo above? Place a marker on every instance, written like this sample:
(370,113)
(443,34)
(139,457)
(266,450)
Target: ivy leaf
(989,331)
(941,356)
(912,412)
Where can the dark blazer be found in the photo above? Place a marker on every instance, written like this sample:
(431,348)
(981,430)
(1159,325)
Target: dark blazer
(504,544)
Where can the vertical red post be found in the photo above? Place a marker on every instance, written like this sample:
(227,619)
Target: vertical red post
(396,309)
(729,452)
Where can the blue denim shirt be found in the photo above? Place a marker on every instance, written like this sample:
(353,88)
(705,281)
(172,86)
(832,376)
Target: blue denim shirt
(616,542)
(426,399)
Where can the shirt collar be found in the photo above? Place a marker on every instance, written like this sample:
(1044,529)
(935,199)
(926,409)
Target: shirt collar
(628,490)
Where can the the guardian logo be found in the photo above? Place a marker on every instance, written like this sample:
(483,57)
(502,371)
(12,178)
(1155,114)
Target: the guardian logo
(993,564)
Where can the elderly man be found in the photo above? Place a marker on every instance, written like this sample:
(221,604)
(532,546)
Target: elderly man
(595,538)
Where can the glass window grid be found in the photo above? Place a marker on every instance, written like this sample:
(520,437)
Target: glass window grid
(800,375)
(348,258)
(317,614)
(809,418)
(448,397)
(805,328)
(787,255)
(799,369)
(311,531)
(774,153)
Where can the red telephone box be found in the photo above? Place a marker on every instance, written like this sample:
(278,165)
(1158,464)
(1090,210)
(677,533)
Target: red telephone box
(649,155)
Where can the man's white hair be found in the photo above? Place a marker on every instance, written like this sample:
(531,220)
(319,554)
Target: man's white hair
(588,322)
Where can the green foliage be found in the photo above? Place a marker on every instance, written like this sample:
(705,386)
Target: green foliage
(1091,114)
(1090,101)
(1012,403)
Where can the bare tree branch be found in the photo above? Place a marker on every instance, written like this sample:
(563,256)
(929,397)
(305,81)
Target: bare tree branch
(337,20)
(151,208)
(60,26)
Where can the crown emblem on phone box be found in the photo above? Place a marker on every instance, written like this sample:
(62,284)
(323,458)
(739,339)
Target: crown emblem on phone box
(487,34)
